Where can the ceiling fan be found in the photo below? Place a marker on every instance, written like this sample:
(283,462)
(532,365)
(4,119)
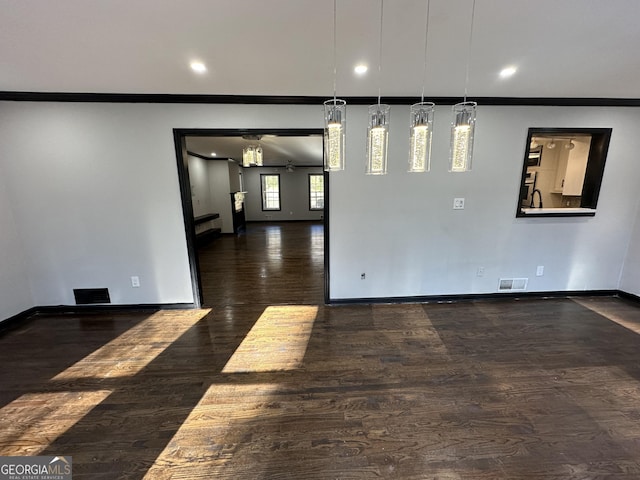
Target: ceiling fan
(290,166)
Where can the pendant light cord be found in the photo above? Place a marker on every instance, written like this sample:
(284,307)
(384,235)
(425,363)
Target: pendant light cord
(335,48)
(426,39)
(380,50)
(466,82)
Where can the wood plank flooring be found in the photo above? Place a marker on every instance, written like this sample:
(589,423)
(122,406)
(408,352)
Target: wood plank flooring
(271,263)
(528,389)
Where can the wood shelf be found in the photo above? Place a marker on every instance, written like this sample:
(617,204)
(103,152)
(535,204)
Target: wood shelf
(205,218)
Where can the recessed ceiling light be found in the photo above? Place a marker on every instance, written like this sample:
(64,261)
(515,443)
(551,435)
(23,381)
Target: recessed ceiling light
(361,69)
(213,154)
(198,67)
(508,71)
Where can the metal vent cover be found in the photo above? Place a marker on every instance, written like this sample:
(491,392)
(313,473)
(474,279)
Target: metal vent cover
(86,296)
(512,284)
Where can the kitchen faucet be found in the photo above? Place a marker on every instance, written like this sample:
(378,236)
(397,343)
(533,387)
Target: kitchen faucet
(533,194)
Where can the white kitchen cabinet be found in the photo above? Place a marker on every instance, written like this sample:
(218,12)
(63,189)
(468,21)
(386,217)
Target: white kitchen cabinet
(572,168)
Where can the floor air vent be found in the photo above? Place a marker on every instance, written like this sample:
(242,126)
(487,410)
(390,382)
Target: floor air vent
(512,284)
(85,296)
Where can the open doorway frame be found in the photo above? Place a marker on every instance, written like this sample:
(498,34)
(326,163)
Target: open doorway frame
(179,138)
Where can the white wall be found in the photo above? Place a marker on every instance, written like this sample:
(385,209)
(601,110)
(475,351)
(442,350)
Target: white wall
(401,231)
(294,194)
(15,291)
(630,278)
(95,199)
(220,193)
(95,192)
(200,190)
(210,191)
(234,177)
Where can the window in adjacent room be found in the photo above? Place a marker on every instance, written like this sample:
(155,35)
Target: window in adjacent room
(316,191)
(270,186)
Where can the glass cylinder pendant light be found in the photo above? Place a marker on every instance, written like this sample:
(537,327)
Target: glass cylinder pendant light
(335,113)
(462,131)
(464,121)
(335,118)
(247,156)
(377,139)
(420,135)
(378,131)
(252,156)
(421,120)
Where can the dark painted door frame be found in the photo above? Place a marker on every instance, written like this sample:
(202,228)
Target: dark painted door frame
(179,138)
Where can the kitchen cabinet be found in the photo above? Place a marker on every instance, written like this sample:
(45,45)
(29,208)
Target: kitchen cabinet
(572,165)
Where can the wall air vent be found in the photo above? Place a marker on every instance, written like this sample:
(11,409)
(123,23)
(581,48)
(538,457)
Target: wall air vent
(86,296)
(512,284)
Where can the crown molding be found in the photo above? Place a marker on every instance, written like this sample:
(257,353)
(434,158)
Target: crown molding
(304,100)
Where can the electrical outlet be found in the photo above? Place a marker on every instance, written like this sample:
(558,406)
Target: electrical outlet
(458,203)
(135,281)
(480,272)
(540,271)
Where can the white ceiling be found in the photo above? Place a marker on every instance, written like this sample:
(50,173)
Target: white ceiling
(277,150)
(562,48)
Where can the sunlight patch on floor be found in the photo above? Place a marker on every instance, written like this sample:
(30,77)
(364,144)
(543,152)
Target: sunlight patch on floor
(218,428)
(276,342)
(132,351)
(213,433)
(608,311)
(42,418)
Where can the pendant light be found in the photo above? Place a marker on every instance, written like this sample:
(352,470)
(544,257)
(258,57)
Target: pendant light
(464,122)
(247,156)
(421,122)
(552,144)
(570,145)
(252,156)
(335,118)
(378,131)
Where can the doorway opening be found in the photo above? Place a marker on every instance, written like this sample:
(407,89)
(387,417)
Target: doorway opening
(255,233)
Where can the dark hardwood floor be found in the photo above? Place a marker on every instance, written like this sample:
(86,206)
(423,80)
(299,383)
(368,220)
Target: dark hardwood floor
(511,389)
(270,263)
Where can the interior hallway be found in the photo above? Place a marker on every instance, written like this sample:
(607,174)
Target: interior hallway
(271,384)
